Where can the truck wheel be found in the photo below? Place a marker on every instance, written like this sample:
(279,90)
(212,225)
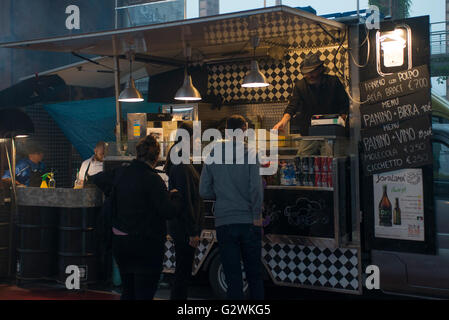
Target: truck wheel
(217,279)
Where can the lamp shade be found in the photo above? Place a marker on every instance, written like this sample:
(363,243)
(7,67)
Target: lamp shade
(188,92)
(255,78)
(14,122)
(130,93)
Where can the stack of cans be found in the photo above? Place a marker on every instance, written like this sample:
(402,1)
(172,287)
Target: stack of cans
(287,173)
(314,171)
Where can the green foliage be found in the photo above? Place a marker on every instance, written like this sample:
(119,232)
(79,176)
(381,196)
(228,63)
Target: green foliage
(400,8)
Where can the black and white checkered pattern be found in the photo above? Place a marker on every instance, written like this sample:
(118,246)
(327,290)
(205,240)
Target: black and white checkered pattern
(226,80)
(169,257)
(201,253)
(287,30)
(298,265)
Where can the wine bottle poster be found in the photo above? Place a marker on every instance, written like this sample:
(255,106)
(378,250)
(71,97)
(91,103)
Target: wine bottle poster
(399,205)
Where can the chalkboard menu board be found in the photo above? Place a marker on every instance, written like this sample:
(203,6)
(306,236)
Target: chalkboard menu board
(300,213)
(396,121)
(397,201)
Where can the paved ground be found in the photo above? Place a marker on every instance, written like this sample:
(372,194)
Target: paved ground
(50,291)
(200,290)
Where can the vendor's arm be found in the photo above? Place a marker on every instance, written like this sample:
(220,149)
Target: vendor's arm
(9,180)
(293,107)
(82,172)
(22,174)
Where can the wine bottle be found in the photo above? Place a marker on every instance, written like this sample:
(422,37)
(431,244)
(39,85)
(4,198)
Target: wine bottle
(397,213)
(385,210)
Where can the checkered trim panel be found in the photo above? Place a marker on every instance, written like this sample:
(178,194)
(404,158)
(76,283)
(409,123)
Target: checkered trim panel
(293,31)
(312,266)
(201,252)
(226,80)
(169,257)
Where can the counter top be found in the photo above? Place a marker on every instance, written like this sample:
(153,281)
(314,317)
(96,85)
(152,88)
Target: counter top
(59,197)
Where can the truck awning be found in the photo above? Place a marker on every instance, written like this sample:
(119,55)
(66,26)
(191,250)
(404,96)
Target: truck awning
(213,39)
(99,74)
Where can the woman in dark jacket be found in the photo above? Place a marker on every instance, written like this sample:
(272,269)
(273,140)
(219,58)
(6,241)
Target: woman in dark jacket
(141,205)
(185,229)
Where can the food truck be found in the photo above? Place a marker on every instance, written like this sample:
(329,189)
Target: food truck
(324,215)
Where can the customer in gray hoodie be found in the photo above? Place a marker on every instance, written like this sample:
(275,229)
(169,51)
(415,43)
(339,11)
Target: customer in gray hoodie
(236,186)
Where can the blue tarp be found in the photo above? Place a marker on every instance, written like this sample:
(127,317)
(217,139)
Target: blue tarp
(87,121)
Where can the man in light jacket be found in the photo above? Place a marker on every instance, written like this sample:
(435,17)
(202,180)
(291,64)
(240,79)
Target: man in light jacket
(237,189)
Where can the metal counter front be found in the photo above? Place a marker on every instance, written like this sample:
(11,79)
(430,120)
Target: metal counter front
(56,227)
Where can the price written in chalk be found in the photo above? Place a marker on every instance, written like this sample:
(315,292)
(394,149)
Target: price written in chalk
(397,145)
(396,85)
(415,147)
(419,158)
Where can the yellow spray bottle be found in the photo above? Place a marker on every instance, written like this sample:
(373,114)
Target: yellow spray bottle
(44,180)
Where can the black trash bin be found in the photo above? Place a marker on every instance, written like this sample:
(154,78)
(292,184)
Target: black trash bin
(78,243)
(36,242)
(5,229)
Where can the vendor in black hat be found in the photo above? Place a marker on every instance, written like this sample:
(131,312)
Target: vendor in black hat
(316,94)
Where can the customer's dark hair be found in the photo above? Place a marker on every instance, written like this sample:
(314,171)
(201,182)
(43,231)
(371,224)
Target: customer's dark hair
(189,128)
(235,121)
(148,149)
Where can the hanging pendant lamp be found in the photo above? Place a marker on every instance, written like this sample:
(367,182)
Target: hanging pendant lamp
(130,93)
(187,92)
(255,78)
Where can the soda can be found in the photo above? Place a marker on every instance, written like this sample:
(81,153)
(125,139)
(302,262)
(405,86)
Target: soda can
(305,179)
(299,178)
(317,165)
(311,162)
(329,180)
(324,165)
(329,164)
(305,165)
(298,170)
(324,179)
(317,179)
(298,164)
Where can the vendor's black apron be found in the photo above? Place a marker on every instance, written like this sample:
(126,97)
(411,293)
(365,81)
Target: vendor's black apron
(88,183)
(35,178)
